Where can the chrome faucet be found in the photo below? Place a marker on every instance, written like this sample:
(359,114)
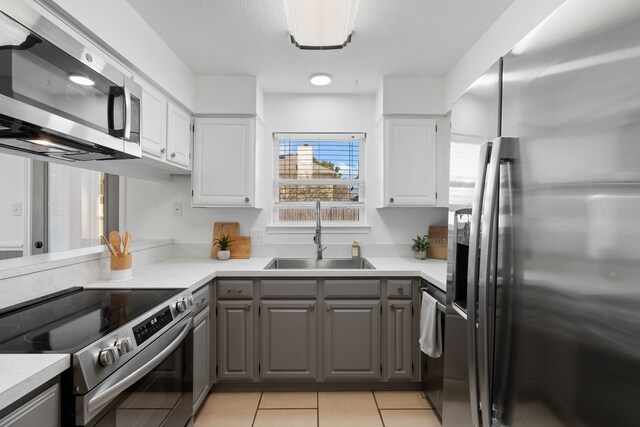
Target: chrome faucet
(318,237)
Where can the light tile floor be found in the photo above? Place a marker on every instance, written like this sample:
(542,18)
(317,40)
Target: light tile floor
(321,409)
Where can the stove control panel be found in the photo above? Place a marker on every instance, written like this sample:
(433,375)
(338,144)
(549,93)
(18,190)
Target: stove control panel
(152,325)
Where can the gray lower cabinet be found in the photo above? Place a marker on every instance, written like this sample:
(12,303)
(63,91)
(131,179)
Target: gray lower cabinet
(201,357)
(235,340)
(352,340)
(288,340)
(400,343)
(42,411)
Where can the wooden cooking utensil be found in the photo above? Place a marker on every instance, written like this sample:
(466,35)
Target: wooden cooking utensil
(109,245)
(116,241)
(126,240)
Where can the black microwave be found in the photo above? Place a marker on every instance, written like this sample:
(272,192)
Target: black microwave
(59,97)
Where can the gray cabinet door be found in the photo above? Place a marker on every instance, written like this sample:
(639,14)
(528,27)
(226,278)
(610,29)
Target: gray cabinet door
(43,411)
(288,340)
(352,340)
(399,340)
(235,340)
(201,358)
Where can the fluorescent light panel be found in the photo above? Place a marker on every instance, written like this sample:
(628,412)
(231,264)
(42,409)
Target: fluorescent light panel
(317,24)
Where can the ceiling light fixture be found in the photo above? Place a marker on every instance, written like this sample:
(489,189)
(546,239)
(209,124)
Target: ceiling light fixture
(81,80)
(320,24)
(320,79)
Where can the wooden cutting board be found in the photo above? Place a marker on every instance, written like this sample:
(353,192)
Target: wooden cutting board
(438,234)
(241,246)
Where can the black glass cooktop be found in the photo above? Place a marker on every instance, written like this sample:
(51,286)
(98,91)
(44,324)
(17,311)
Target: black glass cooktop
(69,322)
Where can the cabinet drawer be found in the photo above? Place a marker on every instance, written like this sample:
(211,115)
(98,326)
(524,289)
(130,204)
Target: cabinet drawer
(399,288)
(236,289)
(289,288)
(352,288)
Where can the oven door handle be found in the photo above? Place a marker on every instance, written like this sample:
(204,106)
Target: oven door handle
(105,396)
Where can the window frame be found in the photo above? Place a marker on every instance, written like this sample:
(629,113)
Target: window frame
(360,137)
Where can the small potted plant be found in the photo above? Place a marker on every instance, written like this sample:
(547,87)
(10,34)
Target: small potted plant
(420,246)
(223,243)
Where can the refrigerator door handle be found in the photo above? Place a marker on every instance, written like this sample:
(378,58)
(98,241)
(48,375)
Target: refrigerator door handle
(500,153)
(472,282)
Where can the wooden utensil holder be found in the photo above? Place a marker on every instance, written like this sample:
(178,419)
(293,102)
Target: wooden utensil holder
(121,268)
(122,262)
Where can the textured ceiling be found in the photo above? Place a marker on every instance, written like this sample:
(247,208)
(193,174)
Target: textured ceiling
(391,38)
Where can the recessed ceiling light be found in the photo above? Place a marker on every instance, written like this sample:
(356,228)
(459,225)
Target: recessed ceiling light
(81,80)
(320,79)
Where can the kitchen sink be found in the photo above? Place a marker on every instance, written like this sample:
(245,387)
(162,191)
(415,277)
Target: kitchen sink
(323,264)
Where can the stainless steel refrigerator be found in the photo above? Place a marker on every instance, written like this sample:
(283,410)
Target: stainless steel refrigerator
(543,313)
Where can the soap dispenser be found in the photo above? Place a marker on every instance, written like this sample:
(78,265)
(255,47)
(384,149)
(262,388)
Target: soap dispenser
(355,250)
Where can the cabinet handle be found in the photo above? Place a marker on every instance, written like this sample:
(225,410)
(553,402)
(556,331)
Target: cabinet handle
(173,155)
(391,200)
(234,291)
(163,150)
(246,199)
(400,291)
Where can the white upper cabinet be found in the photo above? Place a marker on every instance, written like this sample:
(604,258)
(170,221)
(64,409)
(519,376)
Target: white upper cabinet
(166,131)
(178,136)
(410,161)
(154,123)
(224,162)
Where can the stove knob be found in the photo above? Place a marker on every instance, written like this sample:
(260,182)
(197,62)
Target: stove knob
(190,300)
(124,345)
(181,305)
(108,356)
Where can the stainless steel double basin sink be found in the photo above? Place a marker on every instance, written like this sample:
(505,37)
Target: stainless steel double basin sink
(322,264)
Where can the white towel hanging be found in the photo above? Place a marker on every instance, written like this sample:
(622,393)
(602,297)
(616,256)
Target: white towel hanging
(430,327)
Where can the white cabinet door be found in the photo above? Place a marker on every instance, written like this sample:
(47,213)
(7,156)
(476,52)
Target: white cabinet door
(178,136)
(154,123)
(410,161)
(224,162)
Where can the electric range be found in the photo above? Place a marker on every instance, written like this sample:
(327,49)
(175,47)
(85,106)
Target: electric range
(117,340)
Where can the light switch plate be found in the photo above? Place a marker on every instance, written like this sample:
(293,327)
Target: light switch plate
(256,236)
(177,209)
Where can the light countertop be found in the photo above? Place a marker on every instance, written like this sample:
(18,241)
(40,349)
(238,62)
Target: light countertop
(195,272)
(23,373)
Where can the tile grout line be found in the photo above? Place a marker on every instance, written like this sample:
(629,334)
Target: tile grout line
(257,408)
(317,409)
(378,408)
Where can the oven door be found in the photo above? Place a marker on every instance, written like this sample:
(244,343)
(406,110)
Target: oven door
(152,389)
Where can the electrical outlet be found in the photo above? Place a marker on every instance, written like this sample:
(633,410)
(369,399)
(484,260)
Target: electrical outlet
(177,209)
(256,236)
(16,209)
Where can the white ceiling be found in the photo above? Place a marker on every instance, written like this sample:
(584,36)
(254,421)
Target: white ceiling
(391,38)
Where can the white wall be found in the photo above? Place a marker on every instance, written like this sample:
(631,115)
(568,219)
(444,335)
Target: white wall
(226,95)
(413,95)
(119,25)
(149,204)
(12,190)
(515,23)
